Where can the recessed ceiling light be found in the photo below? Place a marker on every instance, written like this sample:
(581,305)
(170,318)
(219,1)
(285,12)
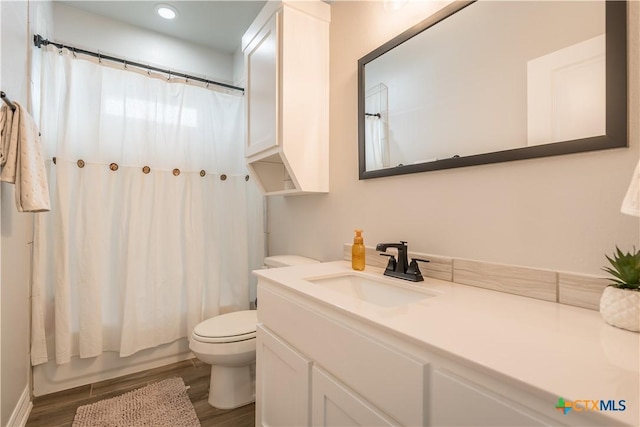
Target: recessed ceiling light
(166,11)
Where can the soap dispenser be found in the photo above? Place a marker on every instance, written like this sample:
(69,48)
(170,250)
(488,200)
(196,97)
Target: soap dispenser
(357,252)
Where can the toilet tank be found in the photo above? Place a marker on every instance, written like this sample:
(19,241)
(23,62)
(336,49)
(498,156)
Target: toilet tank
(284,261)
(287,261)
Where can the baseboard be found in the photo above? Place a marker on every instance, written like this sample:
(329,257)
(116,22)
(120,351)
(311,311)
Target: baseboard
(50,377)
(22,410)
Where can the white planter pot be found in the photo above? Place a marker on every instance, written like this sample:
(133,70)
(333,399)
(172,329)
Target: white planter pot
(621,308)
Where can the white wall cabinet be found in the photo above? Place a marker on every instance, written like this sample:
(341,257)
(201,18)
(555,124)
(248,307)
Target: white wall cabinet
(286,52)
(342,371)
(262,88)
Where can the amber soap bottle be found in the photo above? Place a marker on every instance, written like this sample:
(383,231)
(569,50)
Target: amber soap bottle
(357,252)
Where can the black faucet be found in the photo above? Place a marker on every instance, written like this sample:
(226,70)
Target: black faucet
(401,268)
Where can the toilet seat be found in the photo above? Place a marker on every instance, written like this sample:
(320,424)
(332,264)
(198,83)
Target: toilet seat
(227,328)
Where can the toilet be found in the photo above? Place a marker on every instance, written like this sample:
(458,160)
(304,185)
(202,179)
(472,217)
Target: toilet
(228,343)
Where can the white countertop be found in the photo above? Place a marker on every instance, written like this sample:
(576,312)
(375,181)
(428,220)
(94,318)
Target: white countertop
(566,351)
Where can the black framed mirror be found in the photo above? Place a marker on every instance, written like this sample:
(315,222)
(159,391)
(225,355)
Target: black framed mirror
(484,82)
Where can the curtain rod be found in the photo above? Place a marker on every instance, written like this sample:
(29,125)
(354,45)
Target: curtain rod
(38,41)
(7,101)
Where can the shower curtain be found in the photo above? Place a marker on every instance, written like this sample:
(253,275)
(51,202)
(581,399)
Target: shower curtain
(376,128)
(152,210)
(376,148)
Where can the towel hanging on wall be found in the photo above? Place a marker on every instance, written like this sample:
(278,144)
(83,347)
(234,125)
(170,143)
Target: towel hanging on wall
(21,159)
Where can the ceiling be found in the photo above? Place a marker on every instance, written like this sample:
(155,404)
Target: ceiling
(215,24)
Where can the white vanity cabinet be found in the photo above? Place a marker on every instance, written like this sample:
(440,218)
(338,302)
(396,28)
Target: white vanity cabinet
(345,359)
(286,53)
(318,367)
(283,383)
(334,404)
(293,392)
(482,407)
(354,377)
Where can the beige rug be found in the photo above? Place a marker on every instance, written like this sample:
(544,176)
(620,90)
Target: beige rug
(160,404)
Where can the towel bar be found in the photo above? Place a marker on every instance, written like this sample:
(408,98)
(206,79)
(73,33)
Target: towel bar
(7,101)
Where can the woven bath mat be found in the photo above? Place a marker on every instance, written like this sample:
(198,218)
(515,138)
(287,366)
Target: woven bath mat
(160,404)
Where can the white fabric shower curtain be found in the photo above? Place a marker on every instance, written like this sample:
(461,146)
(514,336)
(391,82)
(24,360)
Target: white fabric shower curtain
(132,258)
(376,144)
(376,134)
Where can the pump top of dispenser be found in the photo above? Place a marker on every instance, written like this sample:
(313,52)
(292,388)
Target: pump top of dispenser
(358,238)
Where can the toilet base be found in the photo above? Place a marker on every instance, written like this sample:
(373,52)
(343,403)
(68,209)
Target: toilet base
(231,387)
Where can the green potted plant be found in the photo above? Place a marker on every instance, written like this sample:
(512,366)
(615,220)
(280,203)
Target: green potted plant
(620,301)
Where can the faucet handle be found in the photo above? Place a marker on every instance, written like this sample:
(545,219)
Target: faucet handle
(414,270)
(391,265)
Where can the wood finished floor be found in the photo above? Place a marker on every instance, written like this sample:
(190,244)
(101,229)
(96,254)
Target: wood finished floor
(58,409)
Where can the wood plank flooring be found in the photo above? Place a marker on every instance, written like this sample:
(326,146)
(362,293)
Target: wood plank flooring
(58,409)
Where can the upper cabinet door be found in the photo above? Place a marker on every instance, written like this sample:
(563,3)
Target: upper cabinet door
(286,51)
(262,101)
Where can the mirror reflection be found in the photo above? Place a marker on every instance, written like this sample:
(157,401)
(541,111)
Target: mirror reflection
(493,77)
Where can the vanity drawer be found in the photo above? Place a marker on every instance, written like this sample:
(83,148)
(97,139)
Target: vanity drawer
(398,387)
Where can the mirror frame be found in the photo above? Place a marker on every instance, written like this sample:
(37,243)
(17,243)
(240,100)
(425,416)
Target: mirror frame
(616,100)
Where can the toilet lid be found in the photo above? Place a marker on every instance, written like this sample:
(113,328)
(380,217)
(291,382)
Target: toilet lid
(230,327)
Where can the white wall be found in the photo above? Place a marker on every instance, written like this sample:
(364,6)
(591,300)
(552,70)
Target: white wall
(238,68)
(561,213)
(16,228)
(97,33)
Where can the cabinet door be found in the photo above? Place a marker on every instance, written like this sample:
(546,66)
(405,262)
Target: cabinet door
(261,62)
(458,402)
(282,383)
(333,404)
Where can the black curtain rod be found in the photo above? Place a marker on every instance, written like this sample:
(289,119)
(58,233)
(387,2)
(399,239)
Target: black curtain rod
(7,101)
(38,41)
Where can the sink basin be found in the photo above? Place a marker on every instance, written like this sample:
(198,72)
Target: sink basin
(381,292)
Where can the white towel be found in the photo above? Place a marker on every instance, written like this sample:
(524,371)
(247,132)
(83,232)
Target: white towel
(21,160)
(631,202)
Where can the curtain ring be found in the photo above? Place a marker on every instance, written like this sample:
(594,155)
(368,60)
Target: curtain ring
(60,49)
(125,64)
(223,177)
(246,178)
(207,84)
(203,173)
(74,52)
(148,70)
(169,77)
(99,58)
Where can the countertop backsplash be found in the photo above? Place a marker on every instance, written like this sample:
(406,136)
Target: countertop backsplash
(548,285)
